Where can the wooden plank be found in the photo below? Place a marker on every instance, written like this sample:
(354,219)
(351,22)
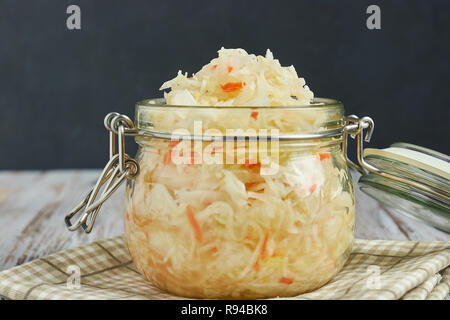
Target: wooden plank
(33,205)
(33,208)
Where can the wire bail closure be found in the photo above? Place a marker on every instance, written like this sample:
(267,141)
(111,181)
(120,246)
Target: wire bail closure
(119,167)
(355,127)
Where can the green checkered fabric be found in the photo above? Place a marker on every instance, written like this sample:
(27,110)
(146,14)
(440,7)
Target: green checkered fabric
(376,269)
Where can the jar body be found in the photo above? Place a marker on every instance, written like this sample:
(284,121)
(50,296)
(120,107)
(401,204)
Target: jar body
(210,230)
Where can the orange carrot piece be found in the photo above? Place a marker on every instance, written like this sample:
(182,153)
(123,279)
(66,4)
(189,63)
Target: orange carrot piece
(254,115)
(214,66)
(214,249)
(167,157)
(276,254)
(256,266)
(232,86)
(173,143)
(194,224)
(264,247)
(193,154)
(323,156)
(249,165)
(207,203)
(248,185)
(230,68)
(286,280)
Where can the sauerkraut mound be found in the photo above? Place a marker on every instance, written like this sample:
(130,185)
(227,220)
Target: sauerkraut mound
(236,78)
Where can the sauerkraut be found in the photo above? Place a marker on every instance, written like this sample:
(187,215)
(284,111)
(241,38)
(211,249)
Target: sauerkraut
(227,230)
(236,78)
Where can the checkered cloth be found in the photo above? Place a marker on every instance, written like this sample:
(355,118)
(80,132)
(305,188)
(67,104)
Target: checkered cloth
(376,269)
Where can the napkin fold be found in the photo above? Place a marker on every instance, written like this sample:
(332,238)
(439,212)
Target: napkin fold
(376,269)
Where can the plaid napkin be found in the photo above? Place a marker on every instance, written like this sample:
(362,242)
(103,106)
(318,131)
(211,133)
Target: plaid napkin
(376,269)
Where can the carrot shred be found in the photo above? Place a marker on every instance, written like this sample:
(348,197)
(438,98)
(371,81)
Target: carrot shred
(194,224)
(323,156)
(230,68)
(214,66)
(256,266)
(276,254)
(264,247)
(249,165)
(214,249)
(127,216)
(207,203)
(286,280)
(254,115)
(312,188)
(232,86)
(167,157)
(173,143)
(193,154)
(248,185)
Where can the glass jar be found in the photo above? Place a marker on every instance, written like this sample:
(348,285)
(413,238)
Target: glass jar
(215,213)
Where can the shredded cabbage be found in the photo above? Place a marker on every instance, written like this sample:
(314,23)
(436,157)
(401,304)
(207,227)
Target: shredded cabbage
(236,78)
(226,230)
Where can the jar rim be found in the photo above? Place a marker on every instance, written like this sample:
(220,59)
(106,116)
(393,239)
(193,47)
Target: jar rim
(322,119)
(317,103)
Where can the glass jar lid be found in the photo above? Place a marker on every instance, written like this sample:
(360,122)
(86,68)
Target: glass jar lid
(415,164)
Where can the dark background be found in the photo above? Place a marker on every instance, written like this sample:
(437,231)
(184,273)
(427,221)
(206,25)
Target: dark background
(56,84)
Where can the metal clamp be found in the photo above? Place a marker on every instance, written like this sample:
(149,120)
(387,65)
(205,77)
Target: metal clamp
(355,127)
(119,167)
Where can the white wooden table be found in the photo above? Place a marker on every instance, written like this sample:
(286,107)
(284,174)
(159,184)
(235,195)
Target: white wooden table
(33,205)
